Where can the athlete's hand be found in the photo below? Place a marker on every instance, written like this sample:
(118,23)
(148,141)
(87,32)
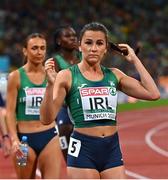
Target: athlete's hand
(6,147)
(50,70)
(16,148)
(129,52)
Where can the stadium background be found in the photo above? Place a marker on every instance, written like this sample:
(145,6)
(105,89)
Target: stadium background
(138,23)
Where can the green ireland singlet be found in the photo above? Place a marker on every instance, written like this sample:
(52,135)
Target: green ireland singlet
(92,103)
(62,63)
(29,98)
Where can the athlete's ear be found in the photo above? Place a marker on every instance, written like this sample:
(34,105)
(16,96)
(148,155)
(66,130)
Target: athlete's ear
(105,51)
(24,51)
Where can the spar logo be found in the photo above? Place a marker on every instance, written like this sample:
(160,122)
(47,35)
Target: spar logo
(34,91)
(95,91)
(98,91)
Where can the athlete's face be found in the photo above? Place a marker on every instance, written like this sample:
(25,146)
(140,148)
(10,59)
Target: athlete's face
(35,51)
(68,39)
(93,46)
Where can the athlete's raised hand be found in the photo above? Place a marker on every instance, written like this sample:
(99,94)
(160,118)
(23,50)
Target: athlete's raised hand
(50,70)
(129,52)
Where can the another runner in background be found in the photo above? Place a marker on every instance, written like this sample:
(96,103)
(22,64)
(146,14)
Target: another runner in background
(66,54)
(6,143)
(25,90)
(90,90)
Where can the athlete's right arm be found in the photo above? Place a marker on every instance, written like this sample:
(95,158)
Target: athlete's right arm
(12,91)
(54,97)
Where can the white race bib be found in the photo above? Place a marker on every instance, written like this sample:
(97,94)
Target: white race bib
(74,147)
(63,142)
(34,97)
(99,103)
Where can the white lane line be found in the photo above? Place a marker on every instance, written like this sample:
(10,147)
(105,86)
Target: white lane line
(135,175)
(148,139)
(139,120)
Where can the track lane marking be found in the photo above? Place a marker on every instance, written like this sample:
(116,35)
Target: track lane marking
(149,142)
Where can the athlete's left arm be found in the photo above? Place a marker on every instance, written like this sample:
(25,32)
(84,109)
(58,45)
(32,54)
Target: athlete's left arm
(146,88)
(6,143)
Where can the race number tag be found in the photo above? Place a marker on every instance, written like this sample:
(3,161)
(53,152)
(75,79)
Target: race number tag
(99,103)
(34,97)
(63,142)
(74,147)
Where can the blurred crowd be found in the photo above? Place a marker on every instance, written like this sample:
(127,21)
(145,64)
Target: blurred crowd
(138,23)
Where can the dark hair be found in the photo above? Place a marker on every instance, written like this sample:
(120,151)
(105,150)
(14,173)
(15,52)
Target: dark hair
(31,36)
(94,26)
(57,34)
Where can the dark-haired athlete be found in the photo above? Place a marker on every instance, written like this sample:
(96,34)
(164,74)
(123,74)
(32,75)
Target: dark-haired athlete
(25,91)
(90,90)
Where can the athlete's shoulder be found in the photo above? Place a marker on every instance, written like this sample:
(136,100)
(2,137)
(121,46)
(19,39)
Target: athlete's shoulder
(64,73)
(118,73)
(14,74)
(14,78)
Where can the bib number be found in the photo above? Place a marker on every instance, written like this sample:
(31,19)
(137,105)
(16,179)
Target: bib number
(74,147)
(63,142)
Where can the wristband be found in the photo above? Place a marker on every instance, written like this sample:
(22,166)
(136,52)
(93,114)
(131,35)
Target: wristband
(5,136)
